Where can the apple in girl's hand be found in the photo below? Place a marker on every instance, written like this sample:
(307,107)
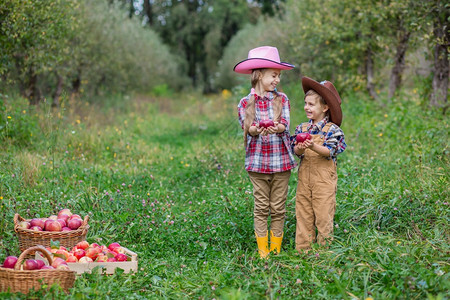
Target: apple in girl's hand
(10,262)
(301,137)
(30,264)
(266,123)
(74,223)
(37,222)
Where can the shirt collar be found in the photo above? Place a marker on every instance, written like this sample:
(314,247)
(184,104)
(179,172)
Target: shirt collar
(268,96)
(319,125)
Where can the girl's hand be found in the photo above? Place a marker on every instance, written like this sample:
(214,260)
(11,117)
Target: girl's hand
(255,130)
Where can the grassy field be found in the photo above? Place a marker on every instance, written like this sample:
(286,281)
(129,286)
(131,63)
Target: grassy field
(165,178)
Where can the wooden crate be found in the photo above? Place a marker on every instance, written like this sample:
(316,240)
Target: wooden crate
(128,266)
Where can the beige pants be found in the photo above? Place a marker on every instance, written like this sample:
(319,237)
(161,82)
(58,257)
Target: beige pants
(315,203)
(270,193)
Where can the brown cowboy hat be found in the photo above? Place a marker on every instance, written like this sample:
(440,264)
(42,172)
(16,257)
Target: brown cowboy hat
(329,93)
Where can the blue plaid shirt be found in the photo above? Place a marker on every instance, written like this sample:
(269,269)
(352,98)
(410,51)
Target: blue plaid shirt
(334,140)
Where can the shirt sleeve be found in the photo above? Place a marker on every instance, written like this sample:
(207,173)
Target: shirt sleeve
(241,111)
(335,141)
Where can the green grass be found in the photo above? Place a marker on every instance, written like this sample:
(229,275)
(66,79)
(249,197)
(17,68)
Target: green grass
(165,178)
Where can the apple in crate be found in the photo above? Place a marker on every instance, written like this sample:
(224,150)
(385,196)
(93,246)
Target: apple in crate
(71,258)
(121,257)
(58,261)
(78,253)
(112,246)
(82,245)
(85,259)
(10,262)
(92,252)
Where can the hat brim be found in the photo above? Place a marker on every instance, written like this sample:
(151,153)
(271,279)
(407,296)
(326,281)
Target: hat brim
(333,101)
(248,65)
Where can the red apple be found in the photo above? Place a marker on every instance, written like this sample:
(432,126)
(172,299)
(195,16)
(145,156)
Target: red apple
(36,228)
(40,263)
(47,268)
(10,262)
(72,258)
(75,216)
(58,261)
(74,224)
(66,229)
(30,264)
(102,258)
(111,259)
(266,123)
(95,245)
(24,225)
(64,217)
(62,222)
(37,222)
(85,259)
(62,253)
(53,217)
(119,250)
(82,245)
(92,252)
(121,257)
(79,253)
(65,211)
(113,245)
(301,137)
(63,267)
(53,226)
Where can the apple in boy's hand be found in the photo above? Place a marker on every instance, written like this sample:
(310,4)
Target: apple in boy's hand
(266,123)
(301,137)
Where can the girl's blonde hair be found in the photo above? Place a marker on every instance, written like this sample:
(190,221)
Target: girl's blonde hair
(314,94)
(250,111)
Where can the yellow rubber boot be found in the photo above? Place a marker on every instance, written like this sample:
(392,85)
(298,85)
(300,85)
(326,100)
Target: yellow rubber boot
(275,243)
(263,245)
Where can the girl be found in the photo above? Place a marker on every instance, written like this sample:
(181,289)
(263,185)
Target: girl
(317,179)
(268,154)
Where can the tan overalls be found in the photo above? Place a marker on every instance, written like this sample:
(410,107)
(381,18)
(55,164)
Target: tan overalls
(316,195)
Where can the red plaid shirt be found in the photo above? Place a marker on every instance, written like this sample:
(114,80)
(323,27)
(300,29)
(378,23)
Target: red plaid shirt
(271,153)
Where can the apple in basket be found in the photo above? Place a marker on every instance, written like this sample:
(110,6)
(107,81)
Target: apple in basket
(64,211)
(53,226)
(58,261)
(37,222)
(36,228)
(10,262)
(30,264)
(301,137)
(82,245)
(266,123)
(74,223)
(24,225)
(40,263)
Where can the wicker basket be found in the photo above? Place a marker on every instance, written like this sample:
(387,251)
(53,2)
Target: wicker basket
(17,280)
(29,238)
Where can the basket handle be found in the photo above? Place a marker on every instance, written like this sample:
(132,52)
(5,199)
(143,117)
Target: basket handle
(26,252)
(85,221)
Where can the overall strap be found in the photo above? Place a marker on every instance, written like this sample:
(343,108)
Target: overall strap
(327,127)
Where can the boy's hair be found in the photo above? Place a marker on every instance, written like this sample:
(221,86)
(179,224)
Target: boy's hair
(250,111)
(314,94)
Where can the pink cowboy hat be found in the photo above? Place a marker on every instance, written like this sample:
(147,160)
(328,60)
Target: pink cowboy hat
(265,57)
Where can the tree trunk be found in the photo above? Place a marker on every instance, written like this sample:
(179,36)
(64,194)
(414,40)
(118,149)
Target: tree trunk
(399,60)
(369,74)
(76,84)
(148,11)
(441,66)
(33,93)
(58,91)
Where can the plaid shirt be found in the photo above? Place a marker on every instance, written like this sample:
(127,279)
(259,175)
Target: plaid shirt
(334,140)
(272,153)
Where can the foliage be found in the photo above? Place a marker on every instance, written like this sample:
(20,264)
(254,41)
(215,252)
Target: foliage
(165,178)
